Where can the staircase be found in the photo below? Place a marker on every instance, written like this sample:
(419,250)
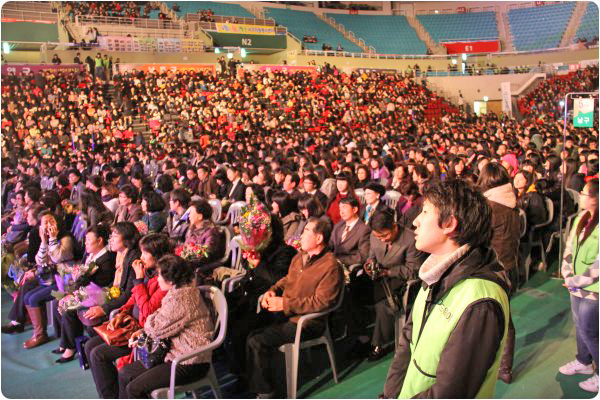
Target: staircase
(424,35)
(574,22)
(347,34)
(504,30)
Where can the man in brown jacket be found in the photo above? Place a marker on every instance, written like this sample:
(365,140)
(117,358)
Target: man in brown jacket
(313,284)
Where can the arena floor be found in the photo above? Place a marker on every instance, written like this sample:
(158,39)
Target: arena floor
(545,341)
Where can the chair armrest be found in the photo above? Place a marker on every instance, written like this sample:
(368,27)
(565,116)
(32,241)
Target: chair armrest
(228,284)
(178,360)
(113,313)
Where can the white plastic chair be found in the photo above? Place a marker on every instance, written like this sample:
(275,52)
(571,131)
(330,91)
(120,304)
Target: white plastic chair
(214,295)
(536,238)
(574,195)
(217,209)
(391,198)
(228,284)
(292,350)
(360,193)
(523,218)
(233,214)
(327,186)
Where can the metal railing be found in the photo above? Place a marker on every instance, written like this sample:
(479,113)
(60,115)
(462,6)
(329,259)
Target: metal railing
(332,53)
(29,15)
(131,22)
(28,6)
(447,40)
(224,19)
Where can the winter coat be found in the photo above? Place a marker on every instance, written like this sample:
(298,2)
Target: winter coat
(506,225)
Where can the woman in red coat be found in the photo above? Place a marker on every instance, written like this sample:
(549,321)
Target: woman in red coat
(344,188)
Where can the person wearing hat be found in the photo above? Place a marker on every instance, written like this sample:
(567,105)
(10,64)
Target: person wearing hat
(373,194)
(343,188)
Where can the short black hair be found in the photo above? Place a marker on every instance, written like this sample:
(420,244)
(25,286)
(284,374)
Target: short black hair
(154,201)
(182,196)
(164,183)
(157,244)
(491,176)
(322,227)
(203,207)
(34,193)
(351,201)
(313,178)
(175,270)
(101,231)
(129,233)
(130,191)
(457,198)
(382,220)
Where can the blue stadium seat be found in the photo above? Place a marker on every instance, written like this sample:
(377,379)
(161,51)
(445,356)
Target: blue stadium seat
(388,34)
(541,27)
(478,25)
(300,23)
(226,9)
(588,29)
(154,14)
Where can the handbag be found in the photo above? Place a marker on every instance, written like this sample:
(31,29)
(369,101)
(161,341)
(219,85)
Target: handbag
(79,345)
(152,352)
(118,330)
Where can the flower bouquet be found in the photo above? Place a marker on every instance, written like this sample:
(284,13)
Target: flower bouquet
(192,252)
(85,297)
(141,227)
(255,228)
(294,241)
(69,274)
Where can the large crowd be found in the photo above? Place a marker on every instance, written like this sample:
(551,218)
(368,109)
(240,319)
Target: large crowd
(323,153)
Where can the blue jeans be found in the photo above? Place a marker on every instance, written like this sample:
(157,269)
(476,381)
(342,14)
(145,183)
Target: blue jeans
(39,296)
(585,316)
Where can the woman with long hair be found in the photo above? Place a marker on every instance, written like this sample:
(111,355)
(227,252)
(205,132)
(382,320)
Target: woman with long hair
(284,206)
(580,270)
(93,210)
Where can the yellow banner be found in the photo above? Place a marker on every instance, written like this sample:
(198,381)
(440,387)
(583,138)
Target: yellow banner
(245,29)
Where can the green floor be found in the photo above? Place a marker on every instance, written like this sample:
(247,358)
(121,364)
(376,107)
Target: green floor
(545,341)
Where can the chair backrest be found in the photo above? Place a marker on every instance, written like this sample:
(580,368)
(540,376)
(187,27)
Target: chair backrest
(549,209)
(360,193)
(327,186)
(390,198)
(216,297)
(523,218)
(234,212)
(227,235)
(217,209)
(574,196)
(236,252)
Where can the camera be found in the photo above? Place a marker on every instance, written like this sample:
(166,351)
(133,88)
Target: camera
(373,268)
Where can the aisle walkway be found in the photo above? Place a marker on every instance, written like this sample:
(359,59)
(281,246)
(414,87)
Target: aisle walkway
(545,340)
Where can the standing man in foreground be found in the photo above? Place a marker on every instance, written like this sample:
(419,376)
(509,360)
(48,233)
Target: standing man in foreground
(453,341)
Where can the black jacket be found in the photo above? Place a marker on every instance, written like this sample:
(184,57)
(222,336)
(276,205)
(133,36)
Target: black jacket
(104,275)
(472,347)
(126,284)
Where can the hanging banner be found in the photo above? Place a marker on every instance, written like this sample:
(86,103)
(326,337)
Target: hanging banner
(24,69)
(583,113)
(481,46)
(140,44)
(245,29)
(506,98)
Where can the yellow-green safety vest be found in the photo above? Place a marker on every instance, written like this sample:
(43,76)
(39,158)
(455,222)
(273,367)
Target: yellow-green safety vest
(427,345)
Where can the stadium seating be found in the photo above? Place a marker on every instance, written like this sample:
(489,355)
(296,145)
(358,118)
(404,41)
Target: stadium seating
(539,27)
(301,23)
(589,23)
(383,33)
(479,25)
(228,9)
(154,14)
